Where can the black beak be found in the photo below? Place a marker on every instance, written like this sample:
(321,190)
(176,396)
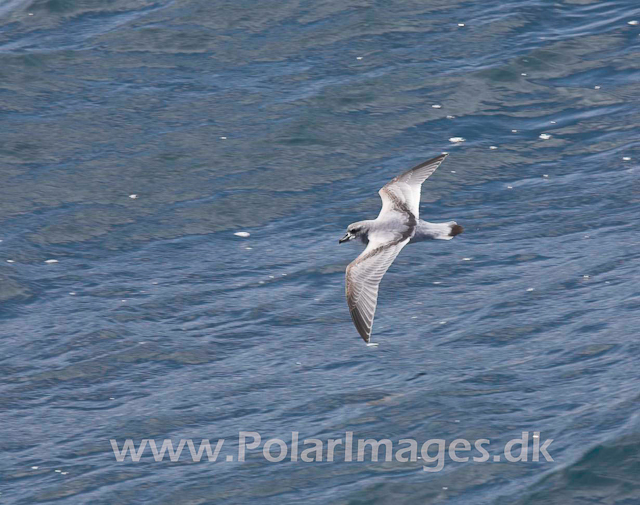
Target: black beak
(346,238)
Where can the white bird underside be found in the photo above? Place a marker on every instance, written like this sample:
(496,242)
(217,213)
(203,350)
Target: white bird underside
(393,229)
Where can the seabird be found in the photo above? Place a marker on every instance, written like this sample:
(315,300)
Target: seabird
(397,225)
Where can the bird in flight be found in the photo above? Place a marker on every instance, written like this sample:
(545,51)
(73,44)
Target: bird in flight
(397,225)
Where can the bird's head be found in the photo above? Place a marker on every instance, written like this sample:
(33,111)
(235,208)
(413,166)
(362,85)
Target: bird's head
(355,230)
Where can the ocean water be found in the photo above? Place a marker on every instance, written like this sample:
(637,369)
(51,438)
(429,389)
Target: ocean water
(283,119)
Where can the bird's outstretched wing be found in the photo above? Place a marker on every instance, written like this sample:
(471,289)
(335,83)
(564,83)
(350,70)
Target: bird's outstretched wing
(363,278)
(403,192)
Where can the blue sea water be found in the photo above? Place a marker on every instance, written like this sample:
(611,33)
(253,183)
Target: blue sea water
(283,119)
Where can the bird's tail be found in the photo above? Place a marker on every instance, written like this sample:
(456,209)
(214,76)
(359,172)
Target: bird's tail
(456,229)
(436,231)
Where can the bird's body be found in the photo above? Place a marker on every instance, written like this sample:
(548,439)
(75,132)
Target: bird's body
(397,225)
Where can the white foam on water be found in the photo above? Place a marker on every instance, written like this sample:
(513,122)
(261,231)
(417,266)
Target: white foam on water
(51,261)
(456,140)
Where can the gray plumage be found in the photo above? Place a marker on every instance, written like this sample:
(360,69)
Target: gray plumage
(397,225)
